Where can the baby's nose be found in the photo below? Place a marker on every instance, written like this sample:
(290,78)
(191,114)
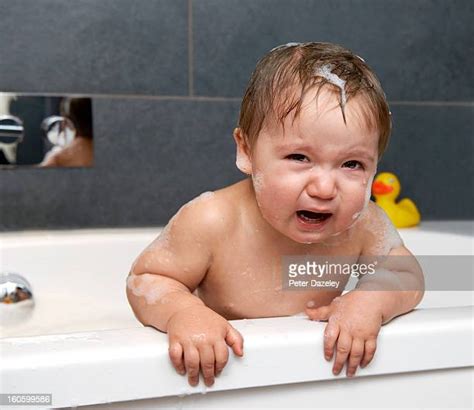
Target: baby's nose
(321,186)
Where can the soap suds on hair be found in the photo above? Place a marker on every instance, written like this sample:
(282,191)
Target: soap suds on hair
(291,44)
(325,72)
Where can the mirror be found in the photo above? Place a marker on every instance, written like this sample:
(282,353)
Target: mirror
(45,131)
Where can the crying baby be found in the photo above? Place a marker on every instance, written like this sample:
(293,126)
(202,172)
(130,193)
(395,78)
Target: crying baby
(313,125)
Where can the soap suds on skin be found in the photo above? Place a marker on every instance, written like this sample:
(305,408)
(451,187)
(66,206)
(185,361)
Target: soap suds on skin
(389,238)
(258,181)
(381,277)
(145,285)
(201,337)
(207,195)
(164,237)
(258,185)
(239,162)
(368,190)
(357,215)
(392,238)
(162,241)
(201,197)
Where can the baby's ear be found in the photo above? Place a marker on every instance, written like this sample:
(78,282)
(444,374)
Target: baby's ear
(243,157)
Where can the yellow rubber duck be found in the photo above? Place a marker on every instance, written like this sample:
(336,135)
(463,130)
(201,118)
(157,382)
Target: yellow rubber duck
(385,189)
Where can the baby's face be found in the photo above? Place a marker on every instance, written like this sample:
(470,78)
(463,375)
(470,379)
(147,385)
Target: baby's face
(313,177)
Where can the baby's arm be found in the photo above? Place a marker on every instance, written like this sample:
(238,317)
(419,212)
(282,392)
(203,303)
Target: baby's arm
(398,280)
(160,286)
(396,287)
(398,277)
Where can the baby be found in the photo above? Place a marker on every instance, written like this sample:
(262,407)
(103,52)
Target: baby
(313,124)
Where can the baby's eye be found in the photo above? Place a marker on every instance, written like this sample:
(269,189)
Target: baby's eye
(353,164)
(297,157)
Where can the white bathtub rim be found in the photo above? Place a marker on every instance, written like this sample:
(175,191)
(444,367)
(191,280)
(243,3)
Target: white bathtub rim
(66,364)
(132,364)
(9,238)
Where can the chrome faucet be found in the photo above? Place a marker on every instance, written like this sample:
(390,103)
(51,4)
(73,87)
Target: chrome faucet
(11,134)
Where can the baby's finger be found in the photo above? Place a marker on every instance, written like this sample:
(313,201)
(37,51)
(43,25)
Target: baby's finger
(235,340)
(221,352)
(320,313)
(331,332)
(355,356)
(207,358)
(191,362)
(343,348)
(175,352)
(370,348)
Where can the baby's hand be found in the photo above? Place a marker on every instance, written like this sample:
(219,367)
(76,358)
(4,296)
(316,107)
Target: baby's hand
(354,321)
(198,337)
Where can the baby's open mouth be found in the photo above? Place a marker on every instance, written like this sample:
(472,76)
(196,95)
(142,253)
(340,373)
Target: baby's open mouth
(312,217)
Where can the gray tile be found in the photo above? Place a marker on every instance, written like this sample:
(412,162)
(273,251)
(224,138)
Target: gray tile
(431,151)
(164,152)
(420,50)
(151,157)
(89,46)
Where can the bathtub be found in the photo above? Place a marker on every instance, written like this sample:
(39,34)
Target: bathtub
(82,344)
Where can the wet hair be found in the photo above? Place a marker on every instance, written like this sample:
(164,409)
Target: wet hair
(79,111)
(271,90)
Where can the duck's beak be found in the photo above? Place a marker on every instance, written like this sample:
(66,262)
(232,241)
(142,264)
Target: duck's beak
(379,188)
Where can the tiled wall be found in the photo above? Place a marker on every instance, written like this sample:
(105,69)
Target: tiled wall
(167,76)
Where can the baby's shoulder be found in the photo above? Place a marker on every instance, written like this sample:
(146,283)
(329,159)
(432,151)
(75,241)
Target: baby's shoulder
(373,215)
(377,232)
(210,212)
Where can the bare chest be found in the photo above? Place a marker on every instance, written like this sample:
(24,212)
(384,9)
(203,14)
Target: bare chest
(246,280)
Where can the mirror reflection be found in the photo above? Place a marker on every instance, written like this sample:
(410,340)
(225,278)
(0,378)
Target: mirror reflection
(45,131)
